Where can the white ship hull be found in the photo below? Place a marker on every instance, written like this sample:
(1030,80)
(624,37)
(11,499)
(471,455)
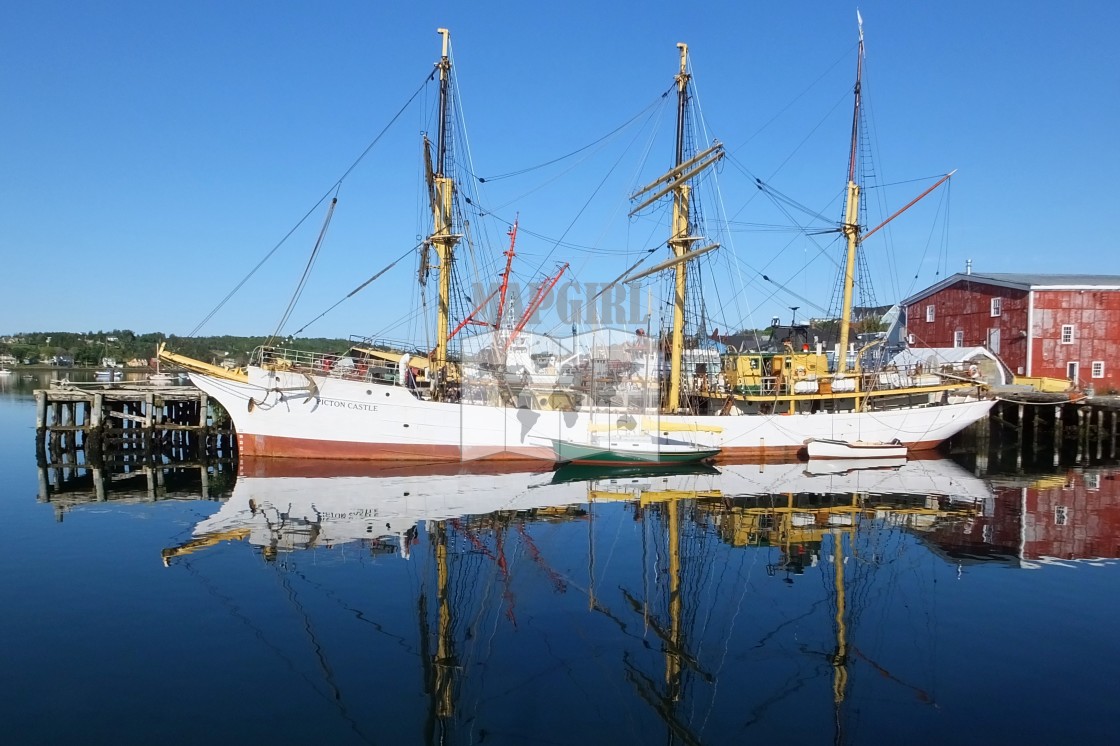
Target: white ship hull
(292,415)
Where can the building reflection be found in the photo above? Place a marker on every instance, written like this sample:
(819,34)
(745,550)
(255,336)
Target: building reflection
(1071,516)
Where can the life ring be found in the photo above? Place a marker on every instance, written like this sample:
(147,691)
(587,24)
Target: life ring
(800,371)
(973,371)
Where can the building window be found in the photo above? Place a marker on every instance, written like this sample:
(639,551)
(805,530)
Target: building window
(1067,334)
(1093,480)
(1061,515)
(997,306)
(929,313)
(1071,371)
(1098,369)
(958,338)
(993,340)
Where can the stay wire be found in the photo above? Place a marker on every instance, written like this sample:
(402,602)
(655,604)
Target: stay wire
(612,133)
(333,189)
(358,289)
(306,271)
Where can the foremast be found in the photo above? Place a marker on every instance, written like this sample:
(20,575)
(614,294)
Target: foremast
(441,192)
(850,227)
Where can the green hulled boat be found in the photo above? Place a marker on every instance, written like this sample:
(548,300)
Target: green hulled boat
(649,450)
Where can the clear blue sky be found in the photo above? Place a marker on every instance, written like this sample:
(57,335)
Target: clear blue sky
(153,152)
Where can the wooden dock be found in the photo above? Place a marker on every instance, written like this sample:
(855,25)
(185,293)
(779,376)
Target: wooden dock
(130,422)
(1028,429)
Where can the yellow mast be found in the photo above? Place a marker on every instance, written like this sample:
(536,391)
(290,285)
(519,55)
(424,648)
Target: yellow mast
(675,181)
(679,242)
(851,222)
(442,196)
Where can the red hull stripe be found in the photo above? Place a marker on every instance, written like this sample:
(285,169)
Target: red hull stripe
(268,446)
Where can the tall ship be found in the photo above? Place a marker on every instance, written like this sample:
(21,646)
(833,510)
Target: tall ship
(504,396)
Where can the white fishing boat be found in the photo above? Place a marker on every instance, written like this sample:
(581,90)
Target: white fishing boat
(5,372)
(827,448)
(382,401)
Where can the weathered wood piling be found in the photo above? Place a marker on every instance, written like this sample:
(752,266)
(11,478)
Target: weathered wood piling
(129,423)
(1043,430)
(66,485)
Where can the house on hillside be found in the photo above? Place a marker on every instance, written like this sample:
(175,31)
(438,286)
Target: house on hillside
(1060,326)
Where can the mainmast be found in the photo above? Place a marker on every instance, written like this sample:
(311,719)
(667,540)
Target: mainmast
(679,240)
(676,181)
(442,194)
(850,226)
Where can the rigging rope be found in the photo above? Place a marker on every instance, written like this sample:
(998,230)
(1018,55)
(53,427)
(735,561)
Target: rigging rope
(616,130)
(357,290)
(306,272)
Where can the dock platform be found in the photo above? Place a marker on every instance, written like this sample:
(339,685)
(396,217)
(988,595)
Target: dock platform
(130,419)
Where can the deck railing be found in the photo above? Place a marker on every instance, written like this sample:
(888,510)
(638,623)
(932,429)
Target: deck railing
(350,368)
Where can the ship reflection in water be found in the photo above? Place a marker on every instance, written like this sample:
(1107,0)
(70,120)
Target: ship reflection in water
(812,602)
(695,607)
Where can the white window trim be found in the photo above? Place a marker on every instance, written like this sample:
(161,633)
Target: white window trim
(1072,334)
(1076,366)
(930,314)
(997,306)
(1097,369)
(958,338)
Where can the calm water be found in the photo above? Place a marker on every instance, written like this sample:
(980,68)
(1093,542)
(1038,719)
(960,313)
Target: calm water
(409,605)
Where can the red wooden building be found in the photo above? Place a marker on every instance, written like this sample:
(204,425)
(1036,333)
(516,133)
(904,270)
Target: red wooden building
(1060,326)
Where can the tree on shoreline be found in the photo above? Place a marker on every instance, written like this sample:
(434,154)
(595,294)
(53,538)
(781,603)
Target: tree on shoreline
(123,345)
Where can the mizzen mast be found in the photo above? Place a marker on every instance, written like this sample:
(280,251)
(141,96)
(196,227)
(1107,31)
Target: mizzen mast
(850,227)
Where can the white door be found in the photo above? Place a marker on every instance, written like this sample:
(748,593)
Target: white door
(993,340)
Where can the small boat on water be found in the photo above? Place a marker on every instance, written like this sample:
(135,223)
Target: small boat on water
(630,450)
(573,472)
(5,372)
(109,374)
(820,466)
(824,448)
(163,379)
